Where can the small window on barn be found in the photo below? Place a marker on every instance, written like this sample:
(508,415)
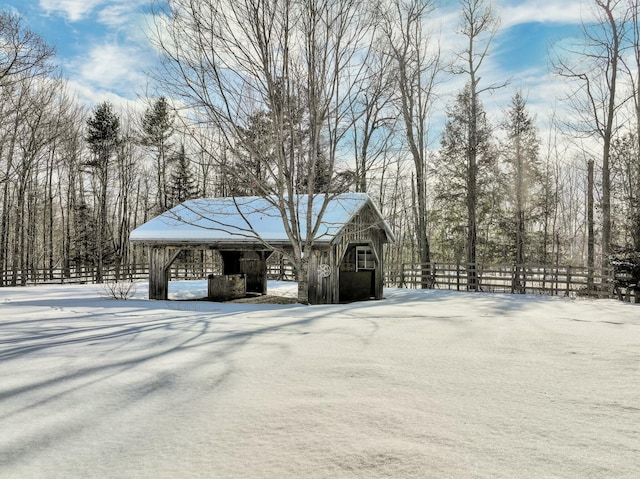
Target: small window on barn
(365,259)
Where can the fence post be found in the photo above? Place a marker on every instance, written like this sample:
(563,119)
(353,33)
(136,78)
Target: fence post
(434,272)
(611,283)
(568,281)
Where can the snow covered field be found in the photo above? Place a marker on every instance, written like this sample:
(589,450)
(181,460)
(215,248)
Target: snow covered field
(424,384)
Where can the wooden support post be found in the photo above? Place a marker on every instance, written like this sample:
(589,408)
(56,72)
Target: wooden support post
(160,259)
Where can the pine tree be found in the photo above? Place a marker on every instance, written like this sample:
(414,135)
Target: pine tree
(182,184)
(255,156)
(479,24)
(451,170)
(282,131)
(157,129)
(520,151)
(103,135)
(625,168)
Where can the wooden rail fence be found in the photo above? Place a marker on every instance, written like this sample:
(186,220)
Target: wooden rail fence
(571,281)
(282,271)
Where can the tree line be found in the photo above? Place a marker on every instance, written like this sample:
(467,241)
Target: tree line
(320,97)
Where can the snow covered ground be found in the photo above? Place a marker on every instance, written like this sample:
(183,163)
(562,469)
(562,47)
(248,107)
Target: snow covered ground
(423,384)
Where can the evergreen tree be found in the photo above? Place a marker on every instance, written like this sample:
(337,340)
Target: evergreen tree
(451,170)
(157,129)
(479,25)
(182,184)
(103,135)
(520,151)
(625,169)
(83,247)
(255,156)
(281,132)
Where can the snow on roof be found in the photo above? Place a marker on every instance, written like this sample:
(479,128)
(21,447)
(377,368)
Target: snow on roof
(250,219)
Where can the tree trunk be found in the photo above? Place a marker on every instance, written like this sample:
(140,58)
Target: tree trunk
(472,193)
(590,227)
(303,280)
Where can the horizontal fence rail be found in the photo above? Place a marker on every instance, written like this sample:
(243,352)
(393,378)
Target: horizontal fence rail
(571,281)
(280,271)
(72,275)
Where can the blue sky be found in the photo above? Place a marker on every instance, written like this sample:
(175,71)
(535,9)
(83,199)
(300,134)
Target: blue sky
(101,45)
(104,53)
(525,45)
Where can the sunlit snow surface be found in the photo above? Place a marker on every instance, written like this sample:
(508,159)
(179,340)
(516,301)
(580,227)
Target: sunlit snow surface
(248,218)
(423,384)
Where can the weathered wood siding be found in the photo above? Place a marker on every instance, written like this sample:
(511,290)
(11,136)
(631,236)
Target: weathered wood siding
(254,266)
(325,263)
(323,273)
(160,259)
(362,230)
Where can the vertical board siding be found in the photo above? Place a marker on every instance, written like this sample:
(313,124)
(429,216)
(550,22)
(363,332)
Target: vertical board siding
(363,229)
(160,259)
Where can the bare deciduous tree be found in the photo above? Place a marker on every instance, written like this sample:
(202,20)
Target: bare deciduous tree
(374,118)
(228,60)
(594,68)
(24,58)
(416,60)
(22,52)
(632,68)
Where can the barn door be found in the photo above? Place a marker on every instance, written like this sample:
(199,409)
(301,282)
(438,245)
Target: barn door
(358,274)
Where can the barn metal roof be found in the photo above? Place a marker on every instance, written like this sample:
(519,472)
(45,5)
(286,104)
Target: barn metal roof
(252,220)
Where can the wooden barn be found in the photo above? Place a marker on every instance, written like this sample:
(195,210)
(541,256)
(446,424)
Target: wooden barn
(346,263)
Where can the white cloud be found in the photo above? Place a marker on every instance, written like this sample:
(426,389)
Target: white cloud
(543,11)
(121,14)
(111,13)
(110,67)
(90,96)
(72,10)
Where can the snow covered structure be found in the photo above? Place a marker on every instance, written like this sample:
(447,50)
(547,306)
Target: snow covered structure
(345,263)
